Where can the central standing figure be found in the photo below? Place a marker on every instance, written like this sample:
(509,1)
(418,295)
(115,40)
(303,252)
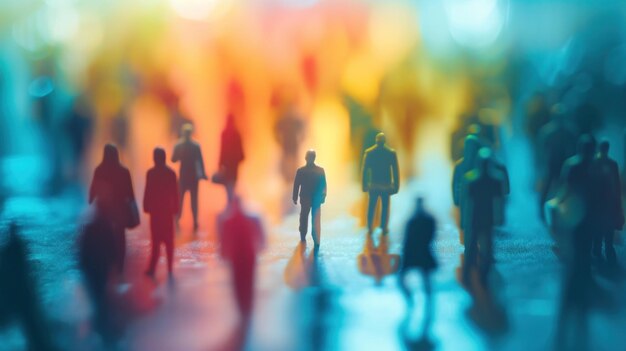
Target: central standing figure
(310,184)
(381,179)
(189,154)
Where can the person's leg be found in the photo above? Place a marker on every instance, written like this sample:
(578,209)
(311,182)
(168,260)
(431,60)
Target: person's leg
(168,240)
(120,247)
(596,250)
(609,249)
(304,219)
(194,204)
(316,224)
(243,271)
(155,244)
(404,287)
(471,252)
(181,197)
(371,208)
(384,216)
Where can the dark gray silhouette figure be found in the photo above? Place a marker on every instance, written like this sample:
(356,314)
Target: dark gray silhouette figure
(459,186)
(242,237)
(231,155)
(485,191)
(581,188)
(580,184)
(191,170)
(19,298)
(416,249)
(95,245)
(310,186)
(380,177)
(417,254)
(607,206)
(161,202)
(556,143)
(112,191)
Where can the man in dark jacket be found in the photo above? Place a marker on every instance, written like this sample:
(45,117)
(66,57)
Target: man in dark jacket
(381,179)
(607,207)
(310,185)
(161,202)
(191,171)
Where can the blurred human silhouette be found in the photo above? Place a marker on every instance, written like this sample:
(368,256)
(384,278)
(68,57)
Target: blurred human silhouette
(95,243)
(79,127)
(310,186)
(556,143)
(376,261)
(231,155)
(607,206)
(416,250)
(580,189)
(417,254)
(380,178)
(161,202)
(191,170)
(112,191)
(485,190)
(289,132)
(19,300)
(459,184)
(242,237)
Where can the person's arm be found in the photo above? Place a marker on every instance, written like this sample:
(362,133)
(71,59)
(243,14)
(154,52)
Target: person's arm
(147,194)
(395,169)
(456,178)
(174,194)
(324,189)
(364,174)
(130,193)
(200,162)
(296,187)
(94,186)
(176,153)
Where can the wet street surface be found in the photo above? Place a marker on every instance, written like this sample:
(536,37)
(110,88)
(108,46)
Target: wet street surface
(344,298)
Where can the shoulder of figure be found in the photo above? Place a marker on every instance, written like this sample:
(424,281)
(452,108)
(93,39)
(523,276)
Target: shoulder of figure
(370,149)
(389,149)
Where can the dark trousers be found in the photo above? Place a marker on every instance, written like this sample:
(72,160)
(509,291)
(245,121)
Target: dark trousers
(315,210)
(119,246)
(192,188)
(162,230)
(374,195)
(606,235)
(243,281)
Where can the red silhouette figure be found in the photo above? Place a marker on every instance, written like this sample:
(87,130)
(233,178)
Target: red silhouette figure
(161,202)
(112,191)
(231,155)
(242,237)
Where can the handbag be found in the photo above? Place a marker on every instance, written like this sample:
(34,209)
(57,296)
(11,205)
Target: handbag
(133,214)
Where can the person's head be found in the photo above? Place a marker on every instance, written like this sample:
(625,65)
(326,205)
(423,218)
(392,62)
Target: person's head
(470,148)
(604,148)
(484,155)
(586,147)
(420,203)
(230,121)
(474,129)
(186,130)
(111,155)
(310,156)
(159,156)
(381,139)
